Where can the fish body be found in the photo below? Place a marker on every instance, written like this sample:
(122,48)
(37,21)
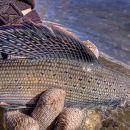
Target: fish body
(55,60)
(85,84)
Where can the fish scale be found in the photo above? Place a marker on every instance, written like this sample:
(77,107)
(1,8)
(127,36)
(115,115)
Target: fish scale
(55,58)
(32,77)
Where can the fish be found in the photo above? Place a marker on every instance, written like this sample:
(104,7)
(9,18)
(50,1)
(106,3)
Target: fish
(54,58)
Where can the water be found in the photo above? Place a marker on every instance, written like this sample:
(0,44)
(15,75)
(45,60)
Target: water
(105,23)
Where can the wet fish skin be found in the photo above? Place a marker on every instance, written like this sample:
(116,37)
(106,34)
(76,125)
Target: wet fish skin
(85,84)
(55,59)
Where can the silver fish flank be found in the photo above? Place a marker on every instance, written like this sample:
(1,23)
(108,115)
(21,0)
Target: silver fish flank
(55,60)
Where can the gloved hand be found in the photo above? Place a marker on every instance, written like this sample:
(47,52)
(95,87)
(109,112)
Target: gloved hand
(48,113)
(13,11)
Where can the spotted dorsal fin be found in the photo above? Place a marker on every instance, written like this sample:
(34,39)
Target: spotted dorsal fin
(39,41)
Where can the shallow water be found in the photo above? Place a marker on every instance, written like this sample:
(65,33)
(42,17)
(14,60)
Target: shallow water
(106,24)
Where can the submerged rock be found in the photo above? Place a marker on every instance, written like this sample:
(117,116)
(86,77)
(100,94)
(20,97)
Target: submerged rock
(92,120)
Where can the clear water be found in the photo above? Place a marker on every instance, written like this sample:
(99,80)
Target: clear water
(106,24)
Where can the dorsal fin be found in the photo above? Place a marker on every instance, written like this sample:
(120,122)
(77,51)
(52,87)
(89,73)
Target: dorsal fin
(39,41)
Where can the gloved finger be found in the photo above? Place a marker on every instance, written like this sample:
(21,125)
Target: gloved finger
(49,106)
(33,16)
(16,120)
(70,119)
(30,2)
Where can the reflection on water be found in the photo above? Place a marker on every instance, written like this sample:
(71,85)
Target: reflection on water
(106,24)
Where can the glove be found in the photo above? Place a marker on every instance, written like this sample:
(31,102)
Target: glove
(10,11)
(48,113)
